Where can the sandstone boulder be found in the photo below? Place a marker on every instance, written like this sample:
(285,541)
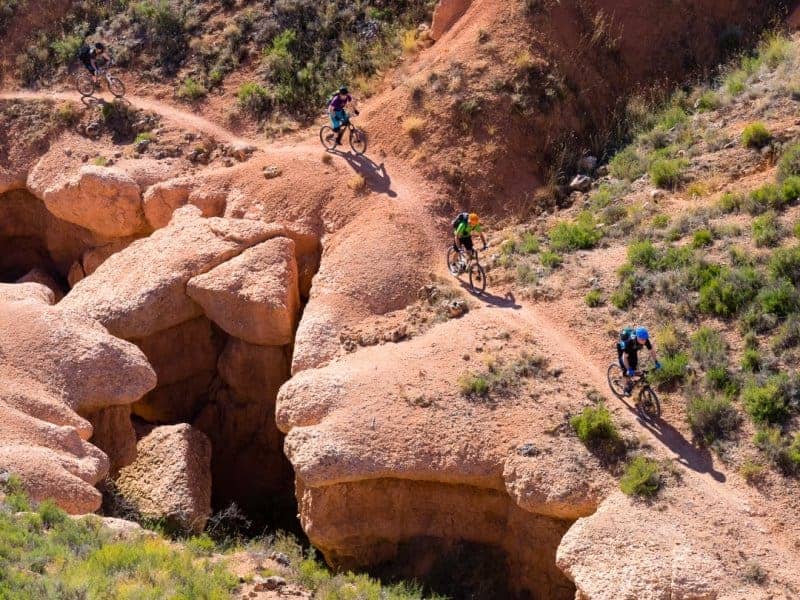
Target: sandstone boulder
(171,477)
(32,291)
(254,296)
(177,402)
(102,199)
(142,289)
(43,278)
(113,433)
(163,199)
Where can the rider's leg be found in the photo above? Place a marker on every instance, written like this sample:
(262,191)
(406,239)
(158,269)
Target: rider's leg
(633,362)
(467,251)
(341,119)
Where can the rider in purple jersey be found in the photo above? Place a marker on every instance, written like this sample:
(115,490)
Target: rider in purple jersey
(337,112)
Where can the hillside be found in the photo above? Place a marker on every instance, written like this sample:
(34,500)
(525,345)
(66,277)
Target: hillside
(211,324)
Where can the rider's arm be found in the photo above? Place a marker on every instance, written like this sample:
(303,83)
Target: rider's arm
(483,239)
(625,361)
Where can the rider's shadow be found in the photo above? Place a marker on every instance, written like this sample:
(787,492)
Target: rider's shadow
(375,175)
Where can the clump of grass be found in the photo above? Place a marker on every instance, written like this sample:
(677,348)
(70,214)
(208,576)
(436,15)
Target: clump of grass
(582,234)
(191,89)
(100,161)
(731,202)
(529,244)
(357,183)
(766,230)
(666,172)
(751,471)
(708,101)
(702,238)
(643,254)
(672,371)
(595,428)
(642,477)
(145,136)
(767,401)
(709,348)
(414,126)
(67,113)
(756,135)
(254,99)
(627,165)
(661,221)
(789,164)
(782,452)
(594,299)
(551,260)
(712,418)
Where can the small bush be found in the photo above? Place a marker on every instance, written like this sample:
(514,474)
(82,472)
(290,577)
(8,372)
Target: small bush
(594,424)
(357,183)
(736,82)
(712,419)
(762,199)
(582,234)
(414,126)
(50,513)
(551,260)
(254,99)
(626,294)
(471,384)
(642,477)
(790,189)
(643,254)
(753,572)
(788,336)
(767,401)
(783,454)
(594,299)
(719,379)
(751,361)
(627,165)
(752,472)
(729,291)
(766,230)
(673,369)
(731,202)
(708,101)
(785,264)
(775,50)
(666,172)
(65,49)
(789,164)
(191,89)
(779,299)
(756,135)
(709,348)
(660,221)
(702,238)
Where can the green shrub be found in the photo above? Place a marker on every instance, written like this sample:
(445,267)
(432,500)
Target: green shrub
(582,234)
(642,477)
(775,50)
(789,164)
(766,230)
(790,189)
(709,348)
(712,418)
(763,198)
(627,165)
(165,33)
(731,202)
(594,299)
(767,401)
(673,369)
(751,361)
(736,82)
(145,136)
(50,513)
(756,135)
(782,453)
(661,221)
(729,291)
(751,471)
(65,49)
(643,254)
(780,298)
(796,230)
(719,378)
(529,244)
(676,258)
(708,101)
(471,384)
(625,295)
(788,336)
(701,238)
(594,424)
(191,89)
(254,99)
(666,172)
(551,260)
(785,264)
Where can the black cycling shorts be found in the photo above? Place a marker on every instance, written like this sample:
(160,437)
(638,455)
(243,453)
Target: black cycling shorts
(88,64)
(467,243)
(633,360)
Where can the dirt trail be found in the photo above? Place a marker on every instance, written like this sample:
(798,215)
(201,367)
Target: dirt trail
(412,195)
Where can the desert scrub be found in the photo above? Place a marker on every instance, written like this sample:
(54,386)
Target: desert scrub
(731,202)
(767,401)
(501,377)
(727,291)
(672,371)
(642,477)
(702,238)
(191,89)
(643,254)
(627,164)
(666,172)
(782,452)
(709,348)
(581,234)
(254,99)
(756,135)
(712,418)
(766,230)
(595,428)
(789,164)
(594,299)
(414,126)
(785,264)
(551,260)
(780,298)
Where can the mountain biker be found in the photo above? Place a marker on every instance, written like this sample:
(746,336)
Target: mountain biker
(465,225)
(91,56)
(337,112)
(631,341)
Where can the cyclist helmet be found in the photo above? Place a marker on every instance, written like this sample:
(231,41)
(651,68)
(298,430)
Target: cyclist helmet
(642,333)
(344,90)
(100,46)
(473,219)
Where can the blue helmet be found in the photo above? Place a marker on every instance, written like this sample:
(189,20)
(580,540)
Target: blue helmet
(642,333)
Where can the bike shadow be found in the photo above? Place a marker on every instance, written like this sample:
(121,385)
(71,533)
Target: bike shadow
(697,459)
(376,176)
(507,301)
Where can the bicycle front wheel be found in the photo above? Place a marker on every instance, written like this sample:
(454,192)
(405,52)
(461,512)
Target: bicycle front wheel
(649,407)
(452,261)
(615,380)
(85,84)
(328,137)
(358,141)
(116,87)
(477,278)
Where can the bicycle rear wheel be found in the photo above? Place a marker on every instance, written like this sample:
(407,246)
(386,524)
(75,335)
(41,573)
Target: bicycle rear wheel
(616,381)
(328,137)
(477,278)
(649,406)
(115,86)
(85,84)
(358,140)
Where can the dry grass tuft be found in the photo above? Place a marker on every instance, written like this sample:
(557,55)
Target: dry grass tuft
(414,126)
(357,183)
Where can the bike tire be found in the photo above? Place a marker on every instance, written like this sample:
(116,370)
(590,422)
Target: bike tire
(477,278)
(328,137)
(85,85)
(358,140)
(452,261)
(649,406)
(116,87)
(616,381)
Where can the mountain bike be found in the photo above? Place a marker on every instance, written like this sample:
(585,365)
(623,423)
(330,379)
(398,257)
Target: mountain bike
(356,136)
(647,404)
(461,261)
(88,85)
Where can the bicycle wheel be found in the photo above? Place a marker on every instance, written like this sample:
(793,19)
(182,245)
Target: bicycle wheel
(477,278)
(328,137)
(649,407)
(616,381)
(452,261)
(85,84)
(358,140)
(115,86)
